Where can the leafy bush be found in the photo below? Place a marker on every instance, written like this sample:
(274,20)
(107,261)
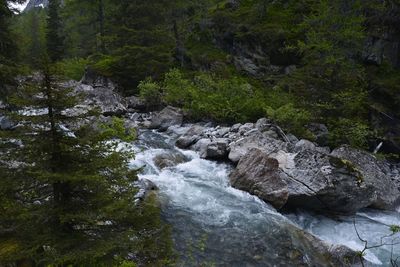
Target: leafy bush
(211,97)
(350,132)
(291,118)
(150,92)
(73,68)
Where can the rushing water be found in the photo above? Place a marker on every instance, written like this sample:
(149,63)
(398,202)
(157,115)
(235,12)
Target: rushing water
(217,225)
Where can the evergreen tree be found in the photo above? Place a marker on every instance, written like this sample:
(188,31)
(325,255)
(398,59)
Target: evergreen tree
(142,41)
(67,198)
(54,37)
(8,48)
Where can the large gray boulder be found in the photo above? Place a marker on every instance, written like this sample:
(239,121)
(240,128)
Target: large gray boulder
(169,116)
(344,182)
(260,175)
(372,174)
(322,182)
(105,98)
(254,140)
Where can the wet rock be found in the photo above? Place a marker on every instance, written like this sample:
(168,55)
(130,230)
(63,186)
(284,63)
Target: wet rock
(372,174)
(145,187)
(260,175)
(190,137)
(256,140)
(201,146)
(169,116)
(217,149)
(168,160)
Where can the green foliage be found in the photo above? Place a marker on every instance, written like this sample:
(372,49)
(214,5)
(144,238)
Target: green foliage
(291,118)
(395,229)
(208,96)
(349,131)
(177,90)
(73,68)
(116,130)
(54,32)
(30,29)
(150,92)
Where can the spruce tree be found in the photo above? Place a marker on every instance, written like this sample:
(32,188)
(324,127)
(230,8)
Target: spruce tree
(67,197)
(8,48)
(54,37)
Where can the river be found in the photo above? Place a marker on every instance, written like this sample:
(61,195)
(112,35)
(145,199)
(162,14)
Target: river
(216,225)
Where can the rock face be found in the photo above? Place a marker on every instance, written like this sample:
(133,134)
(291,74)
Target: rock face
(169,116)
(260,175)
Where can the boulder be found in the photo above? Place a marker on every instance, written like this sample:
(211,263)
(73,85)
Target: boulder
(167,117)
(165,160)
(235,127)
(93,78)
(372,174)
(217,149)
(136,103)
(344,183)
(201,146)
(304,145)
(190,137)
(105,98)
(255,140)
(263,124)
(321,182)
(260,175)
(245,128)
(6,123)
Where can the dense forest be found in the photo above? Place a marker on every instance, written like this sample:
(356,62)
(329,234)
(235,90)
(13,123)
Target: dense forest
(65,198)
(315,61)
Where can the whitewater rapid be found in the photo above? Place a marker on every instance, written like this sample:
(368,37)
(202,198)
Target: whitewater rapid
(217,225)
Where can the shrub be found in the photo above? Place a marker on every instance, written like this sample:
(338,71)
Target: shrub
(291,118)
(150,92)
(349,131)
(73,68)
